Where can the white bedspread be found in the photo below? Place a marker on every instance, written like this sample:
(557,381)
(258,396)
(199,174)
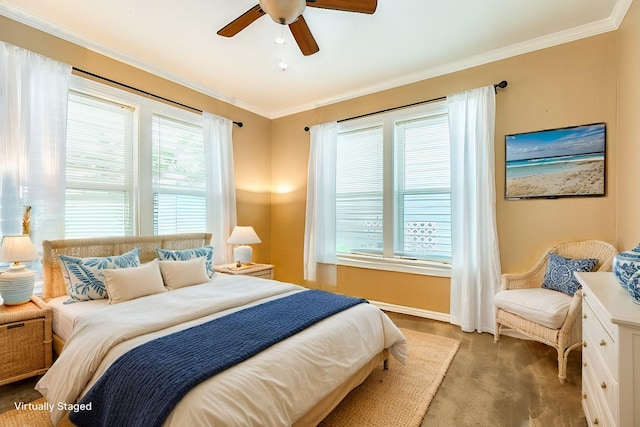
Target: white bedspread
(65,315)
(276,387)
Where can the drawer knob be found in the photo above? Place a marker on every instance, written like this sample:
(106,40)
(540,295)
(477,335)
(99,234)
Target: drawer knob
(584,364)
(584,343)
(596,422)
(603,385)
(603,343)
(584,316)
(584,395)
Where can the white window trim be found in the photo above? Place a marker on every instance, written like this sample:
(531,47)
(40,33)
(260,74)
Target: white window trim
(400,265)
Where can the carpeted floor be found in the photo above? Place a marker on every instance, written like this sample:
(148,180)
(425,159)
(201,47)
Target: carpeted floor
(399,396)
(511,383)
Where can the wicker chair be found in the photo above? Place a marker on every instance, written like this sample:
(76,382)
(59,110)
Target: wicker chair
(569,335)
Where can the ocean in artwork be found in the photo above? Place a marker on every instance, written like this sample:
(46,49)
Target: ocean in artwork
(532,167)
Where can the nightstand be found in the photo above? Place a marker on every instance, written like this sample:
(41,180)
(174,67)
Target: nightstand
(25,340)
(264,271)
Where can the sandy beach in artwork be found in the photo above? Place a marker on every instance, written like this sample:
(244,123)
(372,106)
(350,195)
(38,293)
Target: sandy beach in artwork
(587,177)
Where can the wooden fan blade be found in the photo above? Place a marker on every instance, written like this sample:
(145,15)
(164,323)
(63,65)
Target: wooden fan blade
(303,36)
(361,6)
(241,22)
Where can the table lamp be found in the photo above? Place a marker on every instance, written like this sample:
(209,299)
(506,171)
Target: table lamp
(243,236)
(16,283)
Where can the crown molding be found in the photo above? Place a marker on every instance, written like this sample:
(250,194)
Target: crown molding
(602,26)
(592,29)
(24,17)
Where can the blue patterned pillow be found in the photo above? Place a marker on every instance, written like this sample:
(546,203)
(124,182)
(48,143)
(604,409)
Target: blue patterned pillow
(559,275)
(83,276)
(187,254)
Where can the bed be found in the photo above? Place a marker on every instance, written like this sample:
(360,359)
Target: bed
(296,381)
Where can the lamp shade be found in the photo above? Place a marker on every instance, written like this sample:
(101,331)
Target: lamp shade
(243,235)
(18,249)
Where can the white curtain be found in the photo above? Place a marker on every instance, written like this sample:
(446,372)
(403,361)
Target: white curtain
(475,274)
(33,124)
(221,185)
(320,219)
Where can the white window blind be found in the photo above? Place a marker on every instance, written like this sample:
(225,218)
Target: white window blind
(179,176)
(100,183)
(393,186)
(422,188)
(359,191)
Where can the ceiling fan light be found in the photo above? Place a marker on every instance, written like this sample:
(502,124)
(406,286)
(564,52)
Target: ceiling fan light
(283,12)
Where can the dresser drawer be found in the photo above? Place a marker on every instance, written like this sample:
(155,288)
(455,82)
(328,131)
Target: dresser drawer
(597,412)
(604,386)
(597,338)
(595,309)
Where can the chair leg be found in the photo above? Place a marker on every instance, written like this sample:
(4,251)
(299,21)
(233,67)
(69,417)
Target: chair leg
(496,333)
(562,366)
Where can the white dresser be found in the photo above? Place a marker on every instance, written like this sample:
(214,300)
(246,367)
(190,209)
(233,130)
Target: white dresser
(610,353)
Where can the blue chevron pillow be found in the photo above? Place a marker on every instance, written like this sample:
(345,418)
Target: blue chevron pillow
(83,276)
(187,254)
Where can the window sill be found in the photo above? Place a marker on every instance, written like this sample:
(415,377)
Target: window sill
(425,268)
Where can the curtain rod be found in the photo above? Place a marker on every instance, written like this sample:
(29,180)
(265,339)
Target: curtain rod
(239,124)
(500,85)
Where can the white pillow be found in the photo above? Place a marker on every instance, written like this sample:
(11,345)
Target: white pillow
(124,284)
(177,274)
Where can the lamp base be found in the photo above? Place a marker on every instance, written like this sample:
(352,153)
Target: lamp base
(16,286)
(243,254)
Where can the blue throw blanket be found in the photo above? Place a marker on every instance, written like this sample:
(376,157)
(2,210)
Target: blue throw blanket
(143,386)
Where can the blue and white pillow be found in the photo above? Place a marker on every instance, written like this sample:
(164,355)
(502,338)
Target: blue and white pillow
(187,254)
(83,276)
(559,275)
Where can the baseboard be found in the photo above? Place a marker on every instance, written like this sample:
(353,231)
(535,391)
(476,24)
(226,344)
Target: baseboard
(418,312)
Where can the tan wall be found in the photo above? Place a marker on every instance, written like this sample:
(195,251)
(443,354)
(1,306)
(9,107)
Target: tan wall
(252,150)
(566,85)
(571,84)
(628,213)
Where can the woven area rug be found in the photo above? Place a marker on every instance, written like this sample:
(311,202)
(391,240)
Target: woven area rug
(397,397)
(401,395)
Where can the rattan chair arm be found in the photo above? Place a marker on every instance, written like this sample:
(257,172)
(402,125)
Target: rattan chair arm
(532,278)
(575,310)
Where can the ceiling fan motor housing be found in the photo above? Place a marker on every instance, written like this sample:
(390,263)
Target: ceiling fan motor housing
(283,12)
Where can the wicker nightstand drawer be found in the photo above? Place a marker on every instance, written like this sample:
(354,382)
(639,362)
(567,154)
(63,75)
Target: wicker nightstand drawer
(264,271)
(25,340)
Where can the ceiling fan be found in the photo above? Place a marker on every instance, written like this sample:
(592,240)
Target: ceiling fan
(289,12)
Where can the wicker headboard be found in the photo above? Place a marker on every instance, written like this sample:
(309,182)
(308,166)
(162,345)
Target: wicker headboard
(53,283)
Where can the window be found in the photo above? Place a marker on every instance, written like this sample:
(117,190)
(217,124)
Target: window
(179,177)
(359,191)
(422,188)
(134,165)
(100,184)
(393,188)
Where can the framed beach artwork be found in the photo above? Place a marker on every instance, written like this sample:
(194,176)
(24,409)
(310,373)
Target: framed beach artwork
(564,162)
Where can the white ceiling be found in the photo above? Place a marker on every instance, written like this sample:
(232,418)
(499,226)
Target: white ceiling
(402,42)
